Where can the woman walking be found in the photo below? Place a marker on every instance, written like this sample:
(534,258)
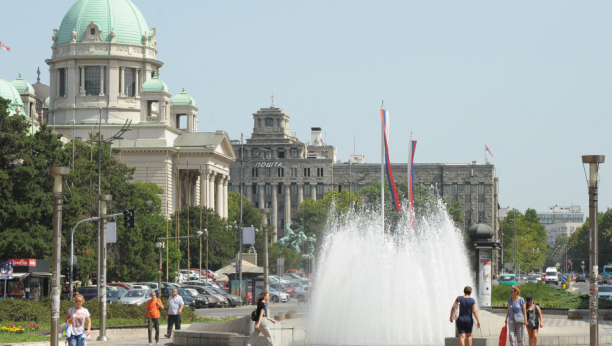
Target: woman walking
(516,313)
(534,321)
(262,326)
(76,317)
(467,307)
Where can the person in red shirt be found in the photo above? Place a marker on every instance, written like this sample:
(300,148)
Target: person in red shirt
(154,306)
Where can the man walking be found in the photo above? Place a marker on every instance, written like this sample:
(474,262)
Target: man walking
(153,315)
(175,306)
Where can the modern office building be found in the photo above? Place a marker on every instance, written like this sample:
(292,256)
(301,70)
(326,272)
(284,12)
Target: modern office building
(560,229)
(558,214)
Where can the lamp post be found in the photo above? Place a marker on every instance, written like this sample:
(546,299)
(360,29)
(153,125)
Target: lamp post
(593,161)
(104,199)
(58,201)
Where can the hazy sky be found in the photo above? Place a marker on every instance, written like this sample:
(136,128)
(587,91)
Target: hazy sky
(532,80)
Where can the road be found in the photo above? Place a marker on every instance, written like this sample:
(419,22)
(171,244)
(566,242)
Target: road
(579,287)
(273,309)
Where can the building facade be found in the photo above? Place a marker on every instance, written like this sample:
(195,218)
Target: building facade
(104,72)
(560,229)
(558,214)
(278,171)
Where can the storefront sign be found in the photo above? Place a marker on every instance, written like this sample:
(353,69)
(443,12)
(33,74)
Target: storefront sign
(27,262)
(268,164)
(6,270)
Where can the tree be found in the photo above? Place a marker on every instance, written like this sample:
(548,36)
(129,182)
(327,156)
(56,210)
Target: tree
(530,247)
(579,240)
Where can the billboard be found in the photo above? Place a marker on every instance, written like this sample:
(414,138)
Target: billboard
(6,270)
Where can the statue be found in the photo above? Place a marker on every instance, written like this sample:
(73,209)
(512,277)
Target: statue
(288,238)
(252,249)
(299,241)
(310,246)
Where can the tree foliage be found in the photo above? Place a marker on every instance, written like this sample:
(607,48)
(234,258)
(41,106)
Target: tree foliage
(530,246)
(578,242)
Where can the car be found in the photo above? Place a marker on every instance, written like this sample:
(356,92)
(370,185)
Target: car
(201,283)
(292,271)
(113,296)
(126,286)
(212,300)
(507,279)
(581,278)
(151,285)
(532,279)
(141,287)
(201,301)
(232,299)
(221,297)
(605,292)
(187,299)
(600,279)
(222,284)
(276,296)
(88,292)
(135,297)
(203,272)
(289,288)
(301,293)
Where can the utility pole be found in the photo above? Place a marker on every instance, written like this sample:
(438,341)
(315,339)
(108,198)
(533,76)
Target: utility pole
(265,249)
(58,201)
(104,199)
(593,161)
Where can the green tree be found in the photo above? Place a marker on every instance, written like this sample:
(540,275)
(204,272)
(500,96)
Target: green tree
(529,245)
(578,242)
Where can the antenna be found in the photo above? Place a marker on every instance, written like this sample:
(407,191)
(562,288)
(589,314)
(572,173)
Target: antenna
(272,98)
(382,106)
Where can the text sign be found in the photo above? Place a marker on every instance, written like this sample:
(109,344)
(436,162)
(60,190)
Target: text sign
(24,262)
(248,235)
(6,270)
(268,164)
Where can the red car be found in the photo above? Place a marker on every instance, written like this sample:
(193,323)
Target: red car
(222,284)
(127,287)
(289,288)
(210,276)
(292,271)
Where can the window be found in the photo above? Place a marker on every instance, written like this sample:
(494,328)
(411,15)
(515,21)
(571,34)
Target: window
(481,189)
(307,189)
(468,206)
(268,205)
(268,189)
(256,205)
(294,153)
(294,206)
(245,154)
(281,153)
(93,31)
(280,206)
(281,224)
(255,152)
(320,172)
(254,172)
(294,189)
(293,172)
(230,187)
(92,80)
(281,189)
(268,153)
(62,81)
(129,84)
(319,189)
(244,170)
(307,172)
(468,189)
(281,172)
(480,206)
(244,190)
(255,189)
(268,172)
(269,122)
(454,189)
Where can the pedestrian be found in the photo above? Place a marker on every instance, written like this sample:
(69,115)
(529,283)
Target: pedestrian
(534,320)
(467,307)
(152,314)
(175,306)
(516,313)
(262,325)
(64,288)
(76,317)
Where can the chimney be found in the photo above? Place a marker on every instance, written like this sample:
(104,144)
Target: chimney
(315,136)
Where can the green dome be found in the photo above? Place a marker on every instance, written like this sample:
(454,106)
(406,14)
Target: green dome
(183,99)
(8,91)
(155,85)
(23,86)
(47,101)
(122,15)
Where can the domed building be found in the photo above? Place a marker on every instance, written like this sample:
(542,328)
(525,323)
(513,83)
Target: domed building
(104,68)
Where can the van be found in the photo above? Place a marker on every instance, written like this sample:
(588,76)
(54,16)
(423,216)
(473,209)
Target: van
(552,276)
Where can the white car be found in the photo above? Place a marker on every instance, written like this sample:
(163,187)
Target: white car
(214,274)
(141,287)
(605,291)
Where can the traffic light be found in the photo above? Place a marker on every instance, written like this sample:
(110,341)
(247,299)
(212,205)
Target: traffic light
(76,274)
(306,264)
(66,272)
(128,218)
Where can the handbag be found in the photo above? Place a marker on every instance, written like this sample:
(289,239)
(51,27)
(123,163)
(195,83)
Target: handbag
(503,335)
(456,311)
(519,319)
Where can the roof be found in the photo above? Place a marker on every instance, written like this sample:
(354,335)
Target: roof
(47,101)
(183,99)
(200,139)
(155,85)
(8,91)
(122,16)
(23,86)
(247,267)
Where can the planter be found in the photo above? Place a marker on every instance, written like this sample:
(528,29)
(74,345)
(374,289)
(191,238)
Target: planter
(574,317)
(279,317)
(290,316)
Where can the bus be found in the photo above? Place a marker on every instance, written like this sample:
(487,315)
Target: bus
(607,270)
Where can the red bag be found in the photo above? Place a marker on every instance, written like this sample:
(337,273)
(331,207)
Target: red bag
(503,335)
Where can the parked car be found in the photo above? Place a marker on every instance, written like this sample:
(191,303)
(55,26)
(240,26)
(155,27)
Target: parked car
(141,287)
(507,279)
(126,286)
(232,299)
(150,285)
(221,297)
(292,271)
(277,296)
(201,283)
(289,288)
(222,284)
(605,292)
(600,279)
(301,293)
(113,296)
(201,301)
(203,272)
(88,292)
(212,300)
(135,297)
(187,299)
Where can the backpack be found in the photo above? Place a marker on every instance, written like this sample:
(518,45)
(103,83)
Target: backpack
(254,316)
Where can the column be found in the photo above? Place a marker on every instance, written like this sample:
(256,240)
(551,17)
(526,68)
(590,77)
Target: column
(219,205)
(122,91)
(287,204)
(313,191)
(137,91)
(262,188)
(57,83)
(300,193)
(225,196)
(101,80)
(249,191)
(274,218)
(211,191)
(82,88)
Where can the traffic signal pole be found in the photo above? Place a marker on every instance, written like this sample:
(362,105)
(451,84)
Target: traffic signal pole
(104,199)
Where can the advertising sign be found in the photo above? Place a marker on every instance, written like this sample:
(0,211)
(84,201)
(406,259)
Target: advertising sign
(248,235)
(234,287)
(24,262)
(484,277)
(6,270)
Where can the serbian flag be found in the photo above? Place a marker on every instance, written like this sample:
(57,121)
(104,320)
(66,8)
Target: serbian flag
(3,46)
(489,150)
(394,195)
(411,151)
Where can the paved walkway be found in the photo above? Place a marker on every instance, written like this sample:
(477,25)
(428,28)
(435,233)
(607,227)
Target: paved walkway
(128,342)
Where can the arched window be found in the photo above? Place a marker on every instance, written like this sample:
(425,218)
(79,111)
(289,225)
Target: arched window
(93,31)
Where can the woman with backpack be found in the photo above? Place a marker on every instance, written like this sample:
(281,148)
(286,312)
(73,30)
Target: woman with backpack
(261,320)
(534,320)
(467,307)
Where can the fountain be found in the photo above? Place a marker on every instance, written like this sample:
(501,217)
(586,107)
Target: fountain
(375,289)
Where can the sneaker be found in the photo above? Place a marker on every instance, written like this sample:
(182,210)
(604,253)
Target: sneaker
(150,343)
(167,336)
(157,343)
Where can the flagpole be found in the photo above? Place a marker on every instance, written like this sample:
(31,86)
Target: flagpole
(382,171)
(485,152)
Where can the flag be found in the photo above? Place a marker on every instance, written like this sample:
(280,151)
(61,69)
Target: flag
(3,46)
(489,150)
(411,151)
(323,143)
(394,195)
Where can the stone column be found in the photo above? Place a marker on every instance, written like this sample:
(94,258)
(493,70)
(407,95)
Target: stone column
(211,191)
(57,83)
(262,188)
(82,89)
(313,191)
(101,81)
(274,218)
(219,205)
(122,85)
(225,195)
(300,198)
(137,83)
(287,204)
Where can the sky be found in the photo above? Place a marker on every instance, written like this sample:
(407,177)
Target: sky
(532,80)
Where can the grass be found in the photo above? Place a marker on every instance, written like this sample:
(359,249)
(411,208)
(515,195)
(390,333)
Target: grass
(546,296)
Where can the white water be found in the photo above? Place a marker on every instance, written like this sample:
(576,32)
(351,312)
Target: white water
(393,291)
